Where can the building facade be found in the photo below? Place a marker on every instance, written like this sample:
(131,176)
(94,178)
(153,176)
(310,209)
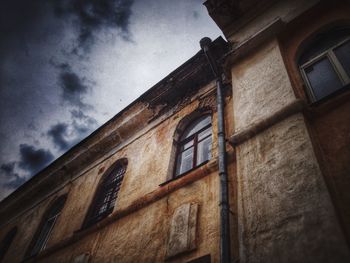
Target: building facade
(145,187)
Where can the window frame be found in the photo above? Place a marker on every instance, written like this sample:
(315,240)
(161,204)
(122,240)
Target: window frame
(193,137)
(93,216)
(45,219)
(343,77)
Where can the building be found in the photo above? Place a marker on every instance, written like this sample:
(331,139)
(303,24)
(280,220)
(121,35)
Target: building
(145,187)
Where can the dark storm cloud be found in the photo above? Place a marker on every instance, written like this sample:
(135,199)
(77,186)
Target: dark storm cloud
(16,181)
(18,15)
(8,168)
(21,22)
(83,123)
(33,160)
(94,15)
(66,135)
(10,177)
(58,134)
(73,87)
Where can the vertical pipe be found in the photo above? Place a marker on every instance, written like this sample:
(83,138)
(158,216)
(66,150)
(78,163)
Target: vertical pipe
(224,201)
(225,254)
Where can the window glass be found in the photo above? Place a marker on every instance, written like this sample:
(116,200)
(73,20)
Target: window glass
(323,78)
(187,145)
(185,161)
(106,194)
(194,147)
(325,63)
(43,236)
(343,54)
(204,151)
(322,42)
(43,233)
(196,126)
(204,134)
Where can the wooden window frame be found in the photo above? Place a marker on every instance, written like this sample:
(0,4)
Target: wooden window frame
(194,138)
(60,202)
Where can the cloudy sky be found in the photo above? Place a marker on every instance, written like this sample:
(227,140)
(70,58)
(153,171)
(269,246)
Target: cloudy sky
(68,66)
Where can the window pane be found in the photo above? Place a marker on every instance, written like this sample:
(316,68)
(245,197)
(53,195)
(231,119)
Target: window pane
(343,54)
(196,126)
(184,161)
(204,151)
(323,78)
(44,231)
(43,236)
(187,145)
(322,42)
(107,194)
(205,133)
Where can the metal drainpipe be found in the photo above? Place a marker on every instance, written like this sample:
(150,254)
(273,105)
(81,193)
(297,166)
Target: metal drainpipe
(225,255)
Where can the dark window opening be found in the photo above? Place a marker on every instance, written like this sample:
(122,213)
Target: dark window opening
(194,147)
(45,229)
(325,65)
(106,194)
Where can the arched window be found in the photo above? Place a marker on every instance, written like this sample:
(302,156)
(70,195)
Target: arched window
(106,193)
(194,146)
(6,242)
(45,228)
(325,64)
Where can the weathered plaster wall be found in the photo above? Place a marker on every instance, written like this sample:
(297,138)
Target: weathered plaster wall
(148,161)
(27,225)
(142,235)
(284,209)
(260,86)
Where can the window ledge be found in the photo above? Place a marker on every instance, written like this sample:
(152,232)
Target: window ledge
(330,102)
(333,95)
(185,173)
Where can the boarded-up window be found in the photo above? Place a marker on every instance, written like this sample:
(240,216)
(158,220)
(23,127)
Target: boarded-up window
(182,234)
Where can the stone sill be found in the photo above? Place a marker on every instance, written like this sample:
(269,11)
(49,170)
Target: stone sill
(184,174)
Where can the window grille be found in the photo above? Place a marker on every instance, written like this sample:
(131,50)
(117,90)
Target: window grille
(45,229)
(106,194)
